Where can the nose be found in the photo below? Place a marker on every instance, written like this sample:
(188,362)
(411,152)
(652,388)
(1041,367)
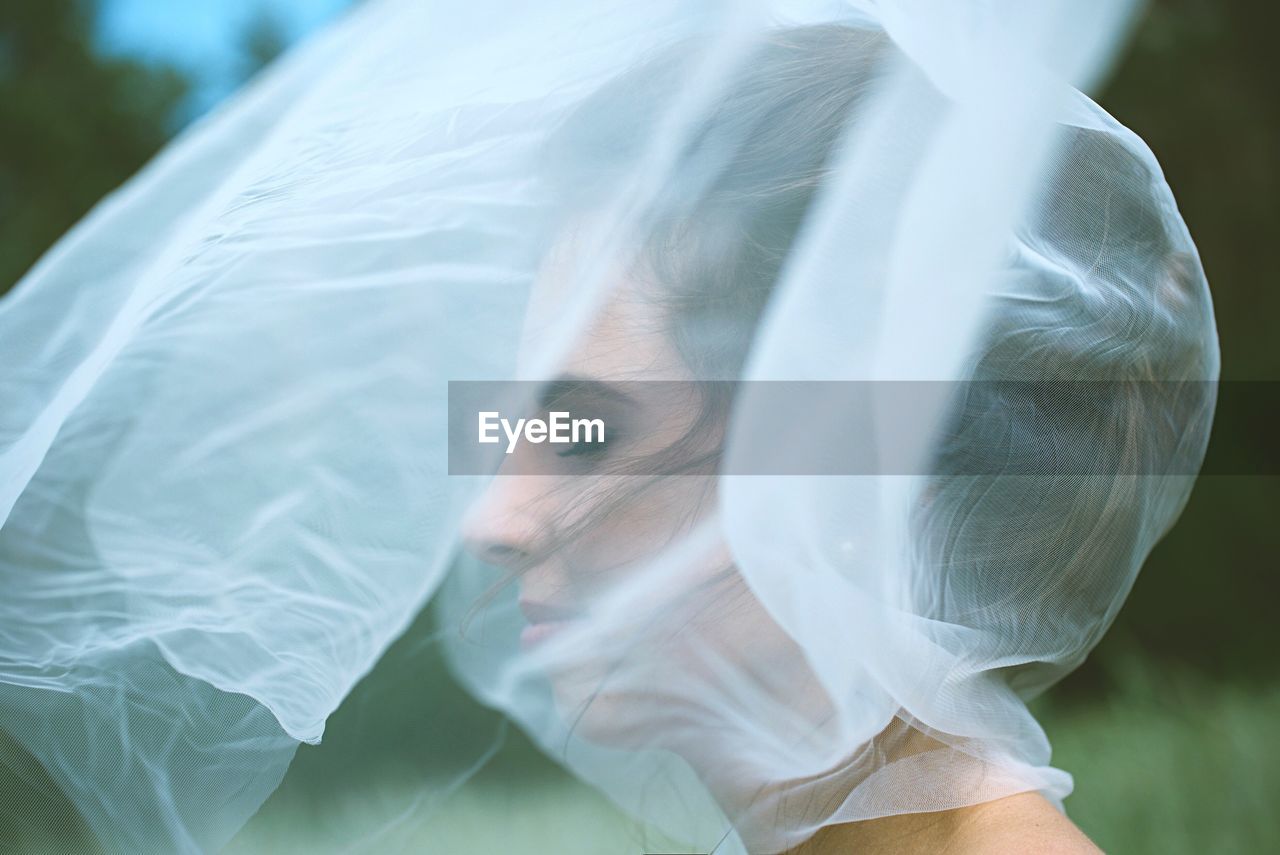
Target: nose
(505,525)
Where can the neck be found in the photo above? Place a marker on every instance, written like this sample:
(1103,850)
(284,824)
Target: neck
(1024,822)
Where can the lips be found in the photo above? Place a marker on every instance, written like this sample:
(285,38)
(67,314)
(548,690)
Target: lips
(545,619)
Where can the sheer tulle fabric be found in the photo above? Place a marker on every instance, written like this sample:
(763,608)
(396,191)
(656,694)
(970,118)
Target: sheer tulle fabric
(224,451)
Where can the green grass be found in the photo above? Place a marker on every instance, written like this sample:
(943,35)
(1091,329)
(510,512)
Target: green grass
(1167,769)
(1186,768)
(1169,766)
(528,817)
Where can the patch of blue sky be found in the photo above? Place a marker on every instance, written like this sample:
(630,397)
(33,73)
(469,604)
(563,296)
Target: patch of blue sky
(204,38)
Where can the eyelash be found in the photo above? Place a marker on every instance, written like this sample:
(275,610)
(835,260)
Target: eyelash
(585,449)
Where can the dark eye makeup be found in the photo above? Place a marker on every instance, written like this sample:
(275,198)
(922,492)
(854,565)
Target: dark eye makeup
(587,449)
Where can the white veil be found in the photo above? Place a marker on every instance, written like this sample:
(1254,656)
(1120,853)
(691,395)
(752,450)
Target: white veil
(232,469)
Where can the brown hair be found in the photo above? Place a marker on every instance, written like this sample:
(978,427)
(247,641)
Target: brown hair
(748,176)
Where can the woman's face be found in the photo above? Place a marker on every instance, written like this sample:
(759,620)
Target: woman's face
(634,624)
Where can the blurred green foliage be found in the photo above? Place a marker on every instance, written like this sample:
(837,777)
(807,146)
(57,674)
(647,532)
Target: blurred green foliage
(1169,762)
(1172,762)
(1152,778)
(73,124)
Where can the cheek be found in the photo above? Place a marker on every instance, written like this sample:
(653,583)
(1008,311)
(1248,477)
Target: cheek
(622,529)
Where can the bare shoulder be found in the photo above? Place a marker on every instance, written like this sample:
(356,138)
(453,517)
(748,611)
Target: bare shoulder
(1014,825)
(1026,822)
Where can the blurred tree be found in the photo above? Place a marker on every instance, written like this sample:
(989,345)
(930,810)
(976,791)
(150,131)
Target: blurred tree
(73,124)
(264,39)
(1198,83)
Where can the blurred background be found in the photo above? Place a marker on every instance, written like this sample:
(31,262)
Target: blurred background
(1172,727)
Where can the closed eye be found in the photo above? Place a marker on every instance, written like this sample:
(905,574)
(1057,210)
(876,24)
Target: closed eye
(584,448)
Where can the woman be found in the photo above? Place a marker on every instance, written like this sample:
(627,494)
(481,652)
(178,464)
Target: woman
(896,340)
(585,524)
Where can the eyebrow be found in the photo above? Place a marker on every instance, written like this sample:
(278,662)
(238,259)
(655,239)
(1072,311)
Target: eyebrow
(572,385)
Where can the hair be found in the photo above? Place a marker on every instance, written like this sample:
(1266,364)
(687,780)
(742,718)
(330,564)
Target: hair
(755,164)
(746,177)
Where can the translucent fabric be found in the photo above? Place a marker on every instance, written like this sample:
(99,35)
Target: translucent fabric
(228,479)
